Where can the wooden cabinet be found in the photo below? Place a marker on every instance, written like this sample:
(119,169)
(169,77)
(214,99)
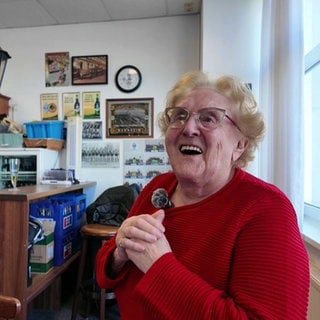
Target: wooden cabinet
(4,104)
(14,218)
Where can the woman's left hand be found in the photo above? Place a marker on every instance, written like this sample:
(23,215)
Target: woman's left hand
(152,252)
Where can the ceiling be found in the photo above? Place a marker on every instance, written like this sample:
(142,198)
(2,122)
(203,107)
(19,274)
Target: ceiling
(36,13)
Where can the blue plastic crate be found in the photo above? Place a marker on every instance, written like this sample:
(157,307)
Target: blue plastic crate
(42,209)
(79,203)
(60,210)
(45,129)
(36,129)
(55,129)
(63,248)
(63,215)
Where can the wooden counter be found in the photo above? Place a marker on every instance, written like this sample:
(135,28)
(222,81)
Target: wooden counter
(14,218)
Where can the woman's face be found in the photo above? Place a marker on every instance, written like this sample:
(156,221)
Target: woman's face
(201,155)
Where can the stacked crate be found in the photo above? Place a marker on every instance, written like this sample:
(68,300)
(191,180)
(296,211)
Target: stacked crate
(79,215)
(68,211)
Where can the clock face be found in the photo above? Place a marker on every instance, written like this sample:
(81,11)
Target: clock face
(128,78)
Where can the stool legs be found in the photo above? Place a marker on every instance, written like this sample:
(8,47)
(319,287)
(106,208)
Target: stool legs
(79,278)
(82,266)
(102,304)
(100,233)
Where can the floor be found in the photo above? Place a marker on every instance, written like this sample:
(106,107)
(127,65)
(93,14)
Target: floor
(65,314)
(42,309)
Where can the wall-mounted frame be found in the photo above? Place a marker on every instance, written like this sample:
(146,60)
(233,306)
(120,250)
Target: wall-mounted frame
(129,118)
(92,130)
(71,104)
(91,104)
(49,106)
(90,70)
(57,65)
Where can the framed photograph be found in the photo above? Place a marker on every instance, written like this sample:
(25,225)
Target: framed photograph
(92,130)
(129,118)
(90,70)
(57,69)
(102,154)
(49,106)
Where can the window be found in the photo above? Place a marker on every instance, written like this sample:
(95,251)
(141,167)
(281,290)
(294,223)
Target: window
(312,105)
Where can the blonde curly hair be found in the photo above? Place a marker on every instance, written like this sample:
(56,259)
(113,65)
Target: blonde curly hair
(245,109)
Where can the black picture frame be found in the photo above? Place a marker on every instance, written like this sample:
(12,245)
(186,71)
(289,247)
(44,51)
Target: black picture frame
(129,118)
(88,70)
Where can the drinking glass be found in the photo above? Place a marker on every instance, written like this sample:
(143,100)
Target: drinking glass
(14,165)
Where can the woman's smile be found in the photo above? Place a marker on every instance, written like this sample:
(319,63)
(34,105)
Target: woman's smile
(190,150)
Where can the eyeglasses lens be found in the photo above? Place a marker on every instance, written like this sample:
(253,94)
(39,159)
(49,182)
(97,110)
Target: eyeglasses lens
(207,117)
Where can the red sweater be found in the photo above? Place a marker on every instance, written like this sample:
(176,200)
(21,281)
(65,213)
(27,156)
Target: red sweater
(237,254)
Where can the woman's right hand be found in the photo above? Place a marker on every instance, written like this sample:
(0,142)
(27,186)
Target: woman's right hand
(144,227)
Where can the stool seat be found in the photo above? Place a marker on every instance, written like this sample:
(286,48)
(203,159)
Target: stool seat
(88,232)
(98,230)
(10,307)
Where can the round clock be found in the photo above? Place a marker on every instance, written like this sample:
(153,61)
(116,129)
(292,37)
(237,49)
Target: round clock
(128,78)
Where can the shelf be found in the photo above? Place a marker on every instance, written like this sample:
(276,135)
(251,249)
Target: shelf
(41,281)
(14,215)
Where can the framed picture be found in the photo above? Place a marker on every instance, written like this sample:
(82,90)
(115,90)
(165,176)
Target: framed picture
(90,70)
(49,106)
(127,118)
(57,65)
(71,104)
(91,105)
(92,130)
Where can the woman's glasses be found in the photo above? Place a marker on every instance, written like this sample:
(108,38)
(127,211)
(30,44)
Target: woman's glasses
(208,118)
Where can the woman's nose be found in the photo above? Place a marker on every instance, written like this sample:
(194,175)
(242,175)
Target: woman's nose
(191,126)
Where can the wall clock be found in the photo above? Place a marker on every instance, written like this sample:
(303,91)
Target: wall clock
(128,78)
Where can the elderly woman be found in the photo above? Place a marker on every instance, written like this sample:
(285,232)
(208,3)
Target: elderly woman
(227,246)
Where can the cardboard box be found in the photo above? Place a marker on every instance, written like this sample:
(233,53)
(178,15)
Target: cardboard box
(42,252)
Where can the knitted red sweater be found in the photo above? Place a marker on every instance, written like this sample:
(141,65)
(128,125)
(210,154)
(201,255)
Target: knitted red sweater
(237,254)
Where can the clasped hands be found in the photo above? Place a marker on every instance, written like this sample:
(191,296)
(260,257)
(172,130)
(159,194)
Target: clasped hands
(141,239)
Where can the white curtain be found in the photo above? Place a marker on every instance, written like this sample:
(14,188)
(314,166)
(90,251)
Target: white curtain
(281,97)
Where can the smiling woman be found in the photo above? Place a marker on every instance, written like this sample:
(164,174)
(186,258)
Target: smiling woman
(250,223)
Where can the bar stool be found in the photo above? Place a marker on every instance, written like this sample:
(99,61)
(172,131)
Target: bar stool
(91,231)
(10,307)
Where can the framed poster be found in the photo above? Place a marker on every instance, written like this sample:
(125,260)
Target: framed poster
(57,69)
(71,104)
(49,106)
(90,70)
(91,105)
(129,118)
(143,160)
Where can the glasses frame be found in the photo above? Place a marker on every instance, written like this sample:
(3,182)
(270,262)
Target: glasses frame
(225,115)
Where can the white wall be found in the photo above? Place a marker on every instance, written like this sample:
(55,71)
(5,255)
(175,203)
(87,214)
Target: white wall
(162,48)
(231,36)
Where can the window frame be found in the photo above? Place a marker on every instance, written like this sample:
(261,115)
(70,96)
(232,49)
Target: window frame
(311,225)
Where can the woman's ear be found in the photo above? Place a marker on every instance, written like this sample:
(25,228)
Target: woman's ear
(241,146)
